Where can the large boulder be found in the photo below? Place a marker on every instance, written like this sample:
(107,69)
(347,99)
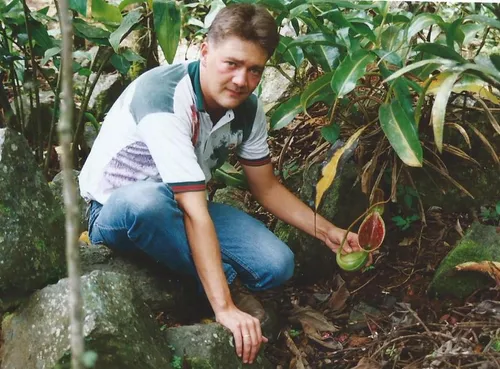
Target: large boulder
(118,326)
(341,205)
(209,346)
(481,243)
(31,221)
(154,285)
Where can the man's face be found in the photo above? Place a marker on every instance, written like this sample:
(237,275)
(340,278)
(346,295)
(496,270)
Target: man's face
(231,70)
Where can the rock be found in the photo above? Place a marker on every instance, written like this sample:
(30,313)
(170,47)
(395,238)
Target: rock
(107,90)
(358,318)
(342,204)
(154,285)
(117,326)
(56,186)
(31,221)
(274,84)
(231,196)
(209,346)
(480,243)
(29,114)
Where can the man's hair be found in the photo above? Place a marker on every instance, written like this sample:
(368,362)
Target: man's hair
(247,21)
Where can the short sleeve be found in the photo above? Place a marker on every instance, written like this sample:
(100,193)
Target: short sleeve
(168,139)
(254,151)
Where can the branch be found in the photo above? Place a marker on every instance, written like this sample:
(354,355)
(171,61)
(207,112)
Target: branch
(69,189)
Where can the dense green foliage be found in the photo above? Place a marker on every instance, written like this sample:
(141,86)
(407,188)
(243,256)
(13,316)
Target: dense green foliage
(391,68)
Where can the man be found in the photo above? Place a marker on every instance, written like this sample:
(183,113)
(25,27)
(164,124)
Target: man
(145,176)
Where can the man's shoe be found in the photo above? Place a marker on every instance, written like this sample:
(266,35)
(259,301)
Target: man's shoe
(244,301)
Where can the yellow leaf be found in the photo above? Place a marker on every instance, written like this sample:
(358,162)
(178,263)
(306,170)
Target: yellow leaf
(84,238)
(470,84)
(331,168)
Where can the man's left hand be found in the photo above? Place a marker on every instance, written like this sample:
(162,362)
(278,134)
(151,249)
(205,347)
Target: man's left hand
(334,238)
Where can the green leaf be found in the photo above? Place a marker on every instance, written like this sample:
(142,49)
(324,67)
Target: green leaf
(401,133)
(130,20)
(121,64)
(441,51)
(401,92)
(421,22)
(350,70)
(322,55)
(495,59)
(84,72)
(389,56)
(454,33)
(106,13)
(79,5)
(293,56)
(318,86)
(331,132)
(126,3)
(312,39)
(479,68)
(286,112)
(167,21)
(215,6)
(49,53)
(408,68)
(132,56)
(89,32)
(392,38)
(439,108)
(470,31)
(482,19)
(497,208)
(41,36)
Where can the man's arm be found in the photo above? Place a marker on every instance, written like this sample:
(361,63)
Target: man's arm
(206,253)
(276,198)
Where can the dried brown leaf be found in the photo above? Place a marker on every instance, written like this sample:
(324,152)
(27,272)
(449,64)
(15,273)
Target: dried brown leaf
(310,320)
(339,297)
(486,143)
(367,363)
(492,268)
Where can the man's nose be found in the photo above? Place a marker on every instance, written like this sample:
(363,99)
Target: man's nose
(240,78)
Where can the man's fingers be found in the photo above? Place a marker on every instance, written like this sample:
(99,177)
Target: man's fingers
(247,344)
(238,341)
(256,339)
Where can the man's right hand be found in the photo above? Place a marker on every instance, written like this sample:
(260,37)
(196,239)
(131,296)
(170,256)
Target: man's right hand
(246,332)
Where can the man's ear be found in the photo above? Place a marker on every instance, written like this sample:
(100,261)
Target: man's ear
(204,53)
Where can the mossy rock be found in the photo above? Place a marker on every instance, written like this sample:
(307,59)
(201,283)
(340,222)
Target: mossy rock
(118,326)
(481,243)
(209,346)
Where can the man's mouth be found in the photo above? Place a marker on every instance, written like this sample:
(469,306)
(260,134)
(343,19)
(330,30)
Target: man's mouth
(235,93)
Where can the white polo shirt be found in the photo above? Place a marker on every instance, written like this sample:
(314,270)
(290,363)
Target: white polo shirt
(158,130)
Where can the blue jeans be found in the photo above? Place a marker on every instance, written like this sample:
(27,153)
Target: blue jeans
(145,216)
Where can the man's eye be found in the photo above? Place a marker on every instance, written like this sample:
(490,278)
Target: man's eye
(256,72)
(230,63)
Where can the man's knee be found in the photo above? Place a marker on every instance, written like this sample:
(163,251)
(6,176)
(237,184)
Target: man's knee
(281,268)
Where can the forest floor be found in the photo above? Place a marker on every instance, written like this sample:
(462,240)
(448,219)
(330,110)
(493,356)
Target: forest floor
(397,324)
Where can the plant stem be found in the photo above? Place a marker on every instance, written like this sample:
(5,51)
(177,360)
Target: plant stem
(83,109)
(38,110)
(70,195)
(52,125)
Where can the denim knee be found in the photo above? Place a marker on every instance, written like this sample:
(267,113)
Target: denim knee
(278,270)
